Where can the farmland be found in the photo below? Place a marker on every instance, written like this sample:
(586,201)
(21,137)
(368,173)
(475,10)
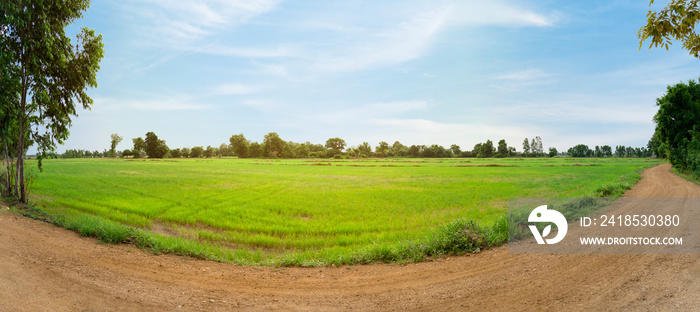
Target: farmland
(310,212)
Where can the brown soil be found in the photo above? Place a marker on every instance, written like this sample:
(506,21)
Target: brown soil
(44,268)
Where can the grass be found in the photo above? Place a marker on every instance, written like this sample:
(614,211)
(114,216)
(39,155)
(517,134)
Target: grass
(311,212)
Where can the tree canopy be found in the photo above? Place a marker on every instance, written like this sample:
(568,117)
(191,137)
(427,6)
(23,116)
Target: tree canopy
(49,74)
(675,22)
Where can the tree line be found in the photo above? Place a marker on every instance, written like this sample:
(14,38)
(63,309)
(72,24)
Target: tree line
(677,133)
(273,146)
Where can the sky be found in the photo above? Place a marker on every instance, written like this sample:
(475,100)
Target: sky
(416,71)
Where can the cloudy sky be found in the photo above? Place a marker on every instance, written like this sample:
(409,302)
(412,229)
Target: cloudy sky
(416,71)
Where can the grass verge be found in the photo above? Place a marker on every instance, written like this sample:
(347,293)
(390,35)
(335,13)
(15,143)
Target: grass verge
(455,238)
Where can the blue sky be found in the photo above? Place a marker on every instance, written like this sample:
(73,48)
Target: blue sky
(420,72)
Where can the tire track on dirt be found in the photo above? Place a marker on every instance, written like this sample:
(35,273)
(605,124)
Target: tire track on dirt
(44,268)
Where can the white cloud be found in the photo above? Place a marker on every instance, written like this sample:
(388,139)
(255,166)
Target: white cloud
(152,103)
(497,13)
(528,74)
(238,89)
(412,36)
(215,49)
(180,22)
(371,110)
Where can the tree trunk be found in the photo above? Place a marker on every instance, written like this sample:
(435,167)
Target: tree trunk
(8,171)
(20,144)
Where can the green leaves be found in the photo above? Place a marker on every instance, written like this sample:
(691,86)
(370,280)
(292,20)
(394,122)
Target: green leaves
(675,22)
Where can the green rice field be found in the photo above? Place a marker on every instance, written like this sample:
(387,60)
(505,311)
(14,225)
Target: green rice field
(309,212)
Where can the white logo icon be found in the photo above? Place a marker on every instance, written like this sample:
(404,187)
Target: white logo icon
(542,214)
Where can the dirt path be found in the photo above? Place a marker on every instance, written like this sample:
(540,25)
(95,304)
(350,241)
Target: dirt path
(44,268)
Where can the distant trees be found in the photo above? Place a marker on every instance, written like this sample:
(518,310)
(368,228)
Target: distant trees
(115,140)
(456,150)
(502,150)
(155,148)
(139,147)
(582,150)
(365,149)
(382,149)
(553,152)
(239,145)
(335,146)
(272,145)
(196,152)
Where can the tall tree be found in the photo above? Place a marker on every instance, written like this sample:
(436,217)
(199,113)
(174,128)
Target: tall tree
(382,148)
(155,148)
(526,147)
(336,145)
(54,74)
(272,145)
(139,147)
(239,145)
(115,139)
(456,151)
(502,150)
(365,149)
(486,150)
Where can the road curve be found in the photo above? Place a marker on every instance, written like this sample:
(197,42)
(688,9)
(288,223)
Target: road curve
(45,268)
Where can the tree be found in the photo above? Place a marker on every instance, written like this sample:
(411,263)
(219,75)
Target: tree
(502,150)
(580,150)
(552,152)
(115,139)
(239,145)
(224,150)
(677,120)
(185,152)
(196,152)
(676,21)
(52,71)
(382,148)
(526,148)
(365,149)
(336,145)
(272,145)
(139,147)
(537,147)
(398,149)
(209,152)
(155,148)
(486,150)
(255,150)
(175,153)
(414,151)
(456,151)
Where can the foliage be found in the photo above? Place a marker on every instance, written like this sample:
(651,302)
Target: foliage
(335,145)
(139,147)
(678,125)
(154,147)
(239,145)
(676,21)
(272,145)
(114,141)
(196,152)
(53,74)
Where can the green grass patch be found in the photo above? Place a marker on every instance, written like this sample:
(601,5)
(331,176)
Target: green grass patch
(311,212)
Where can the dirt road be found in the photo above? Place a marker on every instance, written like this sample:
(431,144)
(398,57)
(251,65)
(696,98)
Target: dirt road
(44,268)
